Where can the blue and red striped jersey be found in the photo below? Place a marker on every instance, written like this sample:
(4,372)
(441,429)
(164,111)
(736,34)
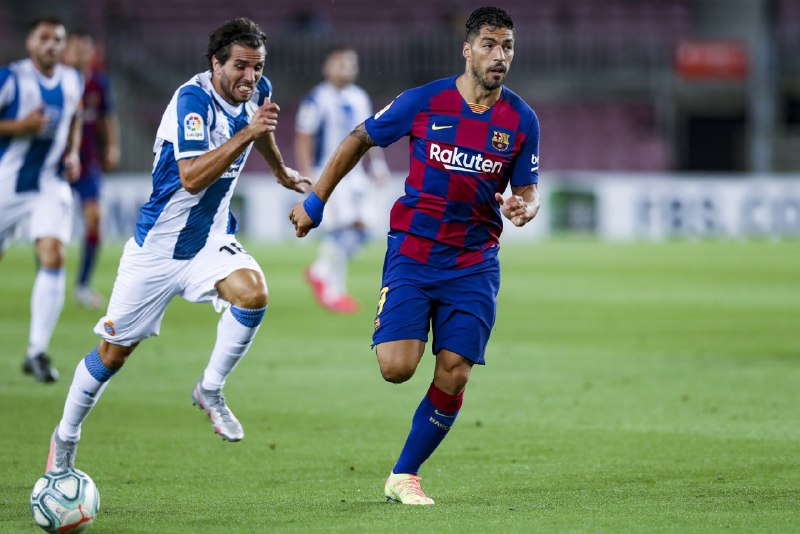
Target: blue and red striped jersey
(460,154)
(97,104)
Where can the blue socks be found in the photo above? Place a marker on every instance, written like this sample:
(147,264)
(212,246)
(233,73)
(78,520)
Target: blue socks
(432,421)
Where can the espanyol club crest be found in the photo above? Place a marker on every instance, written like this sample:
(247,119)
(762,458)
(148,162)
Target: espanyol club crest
(500,140)
(108,326)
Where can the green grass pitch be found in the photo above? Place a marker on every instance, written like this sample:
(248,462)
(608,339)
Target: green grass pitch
(629,388)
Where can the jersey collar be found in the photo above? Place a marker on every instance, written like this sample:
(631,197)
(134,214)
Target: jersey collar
(227,107)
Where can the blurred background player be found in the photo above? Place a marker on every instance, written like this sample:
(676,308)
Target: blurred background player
(326,116)
(470,137)
(99,152)
(184,243)
(39,139)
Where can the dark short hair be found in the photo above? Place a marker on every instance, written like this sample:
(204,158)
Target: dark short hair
(49,20)
(338,49)
(241,31)
(496,17)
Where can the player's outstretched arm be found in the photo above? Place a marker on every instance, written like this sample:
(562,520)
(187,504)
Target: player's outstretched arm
(308,214)
(522,206)
(286,176)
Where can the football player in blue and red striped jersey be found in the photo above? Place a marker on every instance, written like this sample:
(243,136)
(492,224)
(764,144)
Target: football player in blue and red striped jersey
(469,137)
(100,152)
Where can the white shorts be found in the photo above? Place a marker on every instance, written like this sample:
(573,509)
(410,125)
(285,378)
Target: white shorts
(146,283)
(46,213)
(349,203)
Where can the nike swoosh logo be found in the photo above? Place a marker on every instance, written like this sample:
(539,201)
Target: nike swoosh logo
(434,127)
(440,414)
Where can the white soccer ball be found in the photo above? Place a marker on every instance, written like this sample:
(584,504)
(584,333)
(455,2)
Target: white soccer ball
(65,500)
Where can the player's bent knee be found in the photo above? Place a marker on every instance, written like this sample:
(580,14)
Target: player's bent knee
(396,374)
(244,288)
(395,370)
(398,360)
(251,300)
(50,253)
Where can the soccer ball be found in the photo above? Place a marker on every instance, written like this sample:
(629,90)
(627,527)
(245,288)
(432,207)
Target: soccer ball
(65,500)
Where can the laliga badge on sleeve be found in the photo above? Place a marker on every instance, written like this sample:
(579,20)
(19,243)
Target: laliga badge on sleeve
(193,127)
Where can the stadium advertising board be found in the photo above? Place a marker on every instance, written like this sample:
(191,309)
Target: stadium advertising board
(633,207)
(647,208)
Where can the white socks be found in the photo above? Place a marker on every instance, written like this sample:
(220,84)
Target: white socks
(47,299)
(331,267)
(235,332)
(82,396)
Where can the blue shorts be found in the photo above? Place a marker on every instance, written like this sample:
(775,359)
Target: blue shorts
(88,185)
(461,304)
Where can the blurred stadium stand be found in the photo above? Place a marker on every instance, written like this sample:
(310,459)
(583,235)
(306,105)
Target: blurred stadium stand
(601,75)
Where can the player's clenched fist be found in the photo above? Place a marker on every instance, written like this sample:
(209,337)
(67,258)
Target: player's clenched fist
(516,210)
(300,219)
(34,122)
(265,119)
(72,166)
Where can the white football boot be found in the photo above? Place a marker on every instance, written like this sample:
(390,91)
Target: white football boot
(222,419)
(62,453)
(404,488)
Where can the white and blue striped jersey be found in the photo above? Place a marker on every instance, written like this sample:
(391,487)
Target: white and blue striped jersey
(28,162)
(175,223)
(330,114)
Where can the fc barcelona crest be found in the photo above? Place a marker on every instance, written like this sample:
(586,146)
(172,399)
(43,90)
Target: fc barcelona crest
(500,141)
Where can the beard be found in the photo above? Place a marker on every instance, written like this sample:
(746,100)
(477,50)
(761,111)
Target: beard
(47,60)
(229,92)
(486,80)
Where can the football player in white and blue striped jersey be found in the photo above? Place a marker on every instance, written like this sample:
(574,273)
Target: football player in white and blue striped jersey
(185,243)
(39,142)
(325,118)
